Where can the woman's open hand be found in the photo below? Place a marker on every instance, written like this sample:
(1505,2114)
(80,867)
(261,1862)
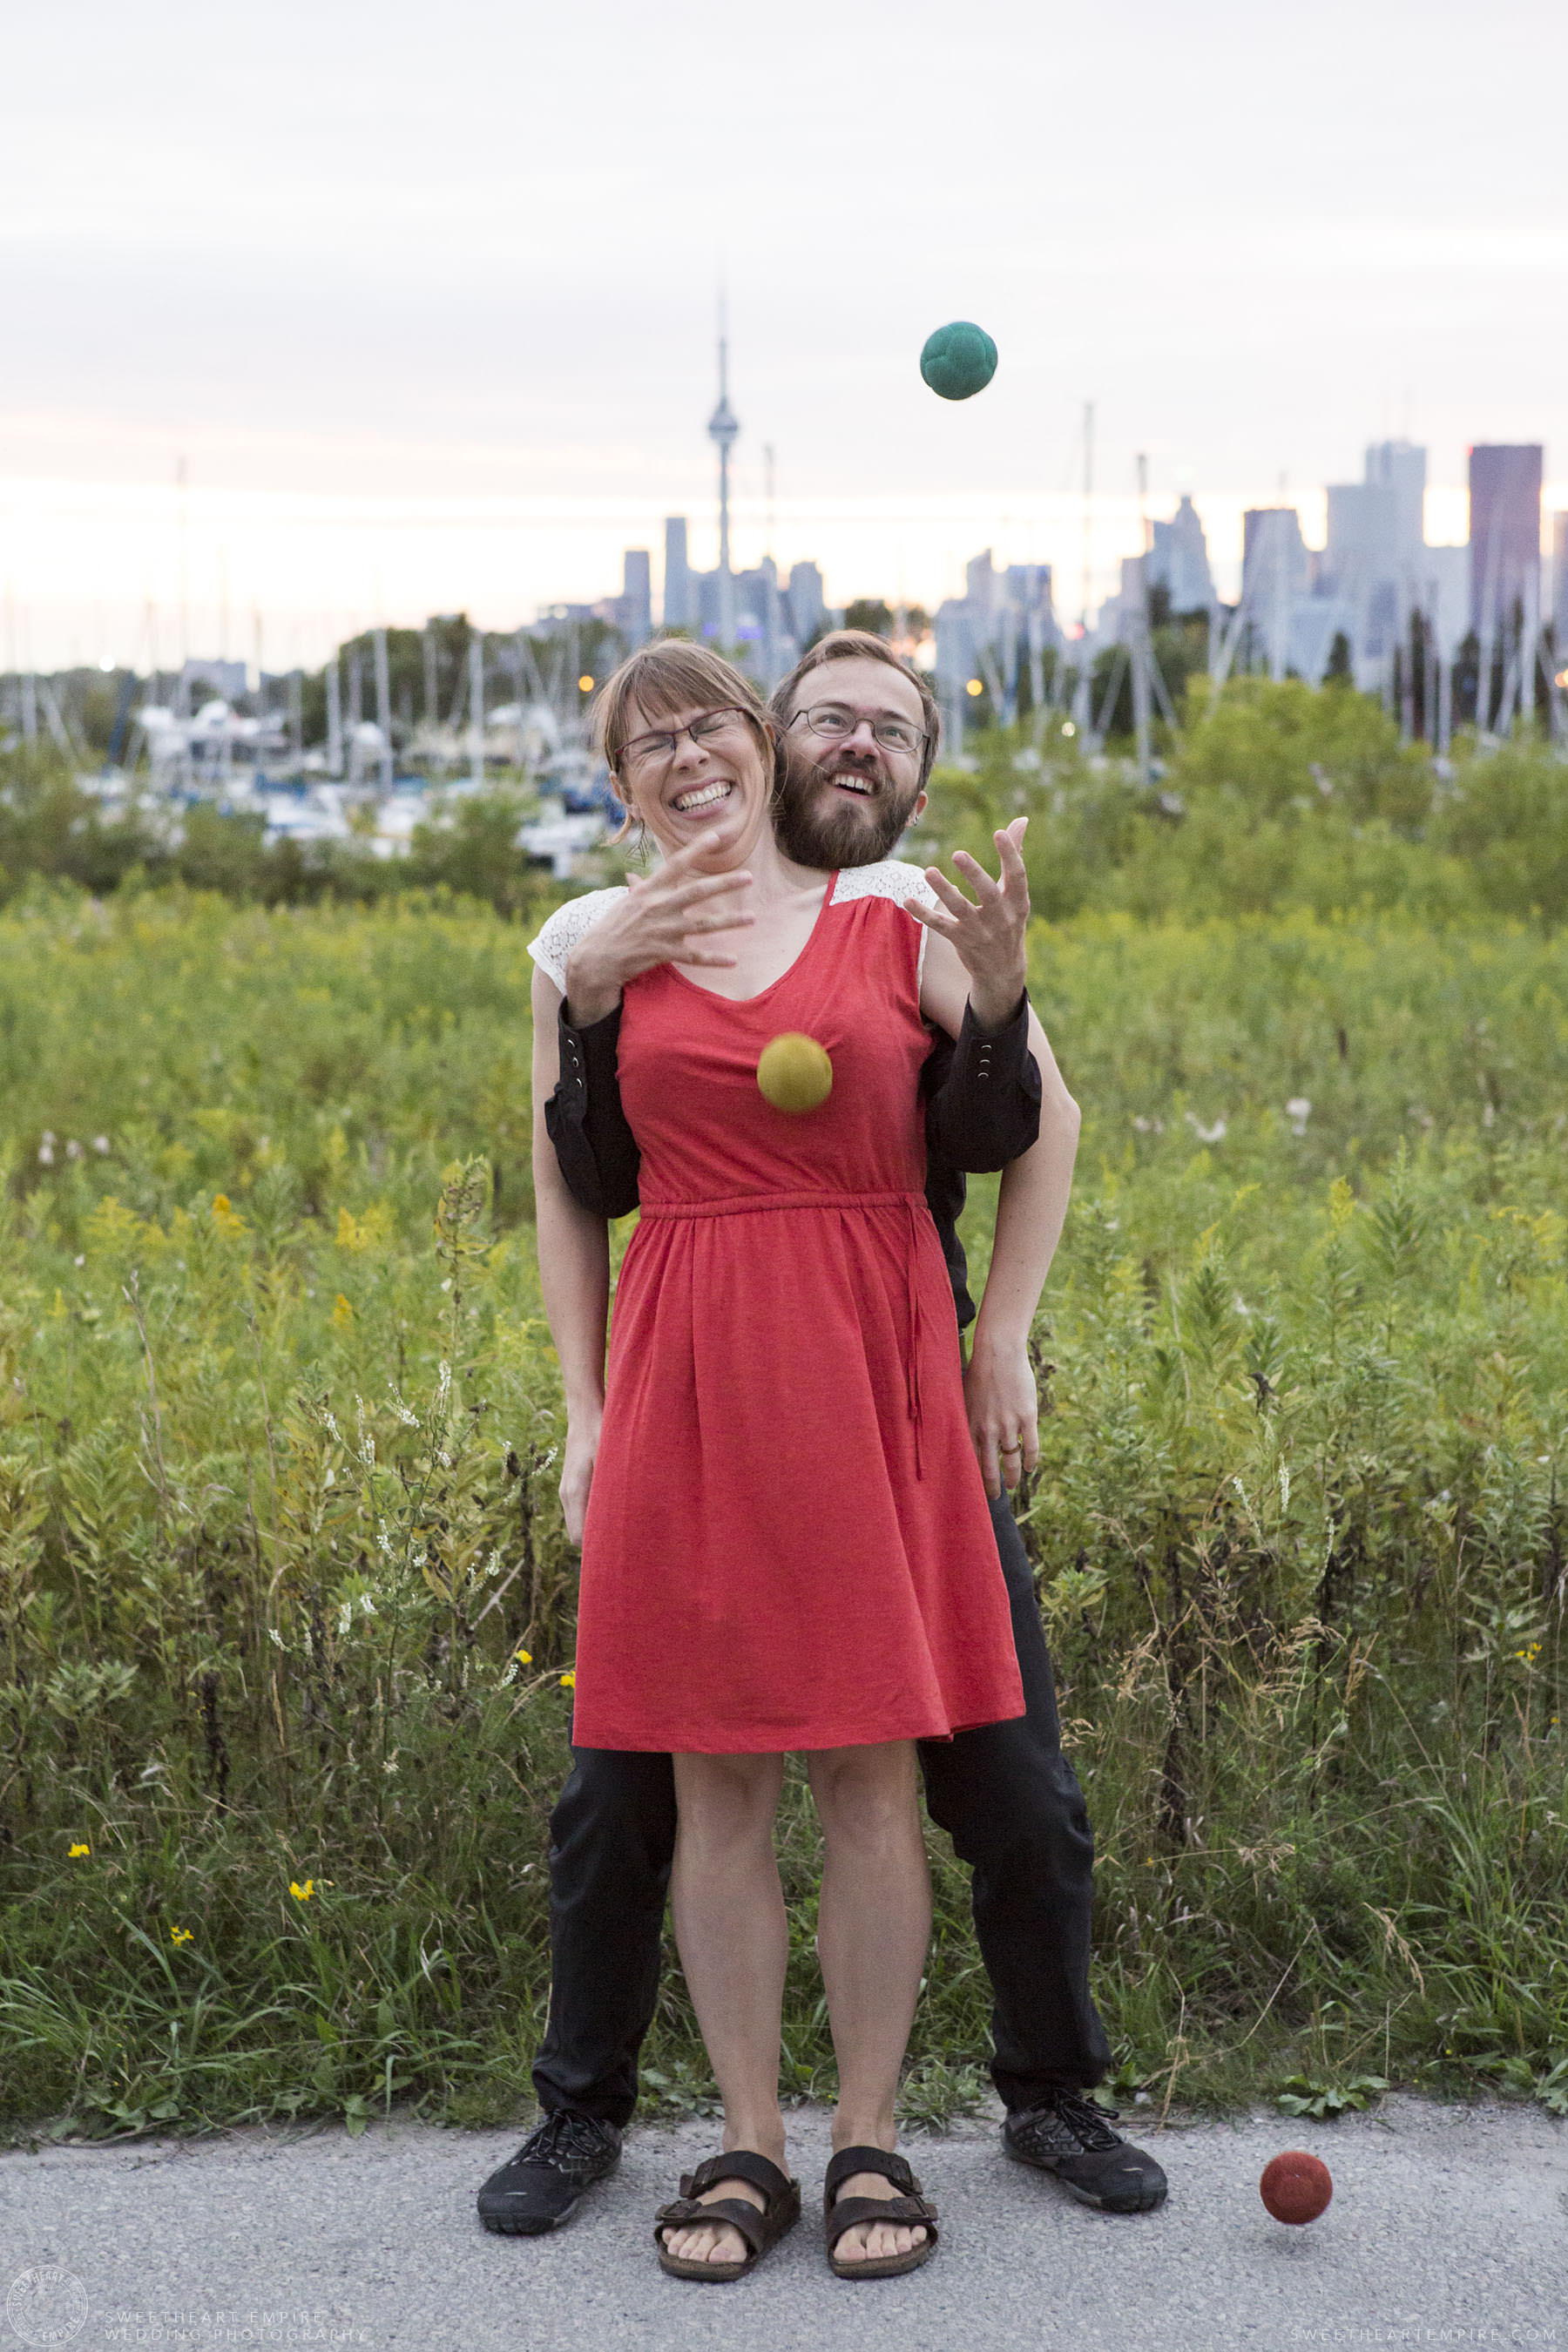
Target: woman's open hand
(666,918)
(1003,1405)
(577,1471)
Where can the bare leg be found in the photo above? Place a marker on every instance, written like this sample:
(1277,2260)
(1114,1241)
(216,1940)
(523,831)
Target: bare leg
(873,1929)
(729,1925)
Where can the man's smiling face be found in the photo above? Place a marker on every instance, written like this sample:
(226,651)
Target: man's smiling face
(843,797)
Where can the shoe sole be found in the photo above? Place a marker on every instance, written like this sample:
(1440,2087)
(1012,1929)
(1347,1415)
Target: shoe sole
(884,2265)
(1149,2204)
(504,2228)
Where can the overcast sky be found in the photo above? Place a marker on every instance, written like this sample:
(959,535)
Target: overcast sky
(425,298)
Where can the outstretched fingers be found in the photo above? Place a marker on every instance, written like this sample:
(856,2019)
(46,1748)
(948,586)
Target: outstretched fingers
(985,887)
(951,896)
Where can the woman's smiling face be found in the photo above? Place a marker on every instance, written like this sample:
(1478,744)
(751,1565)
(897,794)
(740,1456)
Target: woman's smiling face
(699,773)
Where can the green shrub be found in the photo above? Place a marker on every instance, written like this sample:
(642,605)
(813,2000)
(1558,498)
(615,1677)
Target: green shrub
(278,1416)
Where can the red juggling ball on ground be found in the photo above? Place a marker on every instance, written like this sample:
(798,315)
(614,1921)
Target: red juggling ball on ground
(1296,2187)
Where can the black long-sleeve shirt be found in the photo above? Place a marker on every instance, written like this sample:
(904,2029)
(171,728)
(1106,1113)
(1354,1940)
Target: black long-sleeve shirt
(982,1101)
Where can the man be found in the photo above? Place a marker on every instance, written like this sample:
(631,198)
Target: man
(857,734)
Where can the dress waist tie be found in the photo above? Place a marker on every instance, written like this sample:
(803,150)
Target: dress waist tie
(912,1360)
(740,1204)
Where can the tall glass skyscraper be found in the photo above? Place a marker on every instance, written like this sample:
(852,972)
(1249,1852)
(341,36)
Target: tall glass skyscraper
(1505,535)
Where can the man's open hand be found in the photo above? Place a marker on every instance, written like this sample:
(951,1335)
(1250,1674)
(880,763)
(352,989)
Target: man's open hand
(988,931)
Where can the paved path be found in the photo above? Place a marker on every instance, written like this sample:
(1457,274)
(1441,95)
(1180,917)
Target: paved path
(1449,2225)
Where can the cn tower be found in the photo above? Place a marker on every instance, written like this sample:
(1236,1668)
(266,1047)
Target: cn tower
(722,428)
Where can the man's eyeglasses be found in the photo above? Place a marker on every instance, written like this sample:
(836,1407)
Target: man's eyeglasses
(659,747)
(834,723)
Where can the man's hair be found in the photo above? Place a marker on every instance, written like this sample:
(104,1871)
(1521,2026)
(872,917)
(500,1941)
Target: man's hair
(858,645)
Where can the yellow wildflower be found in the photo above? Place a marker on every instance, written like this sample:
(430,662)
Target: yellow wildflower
(568,1681)
(224,1218)
(523,1657)
(342,1311)
(78,1849)
(181,1935)
(301,1894)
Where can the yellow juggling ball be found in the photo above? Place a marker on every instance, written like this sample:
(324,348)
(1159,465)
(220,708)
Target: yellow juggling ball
(795,1072)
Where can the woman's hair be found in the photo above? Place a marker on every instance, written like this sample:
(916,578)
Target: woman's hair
(659,680)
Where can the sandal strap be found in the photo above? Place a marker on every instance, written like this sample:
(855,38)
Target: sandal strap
(851,2211)
(886,2162)
(761,2230)
(739,2164)
(686,2213)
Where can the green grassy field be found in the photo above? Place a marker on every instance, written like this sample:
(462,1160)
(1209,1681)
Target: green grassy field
(285,1599)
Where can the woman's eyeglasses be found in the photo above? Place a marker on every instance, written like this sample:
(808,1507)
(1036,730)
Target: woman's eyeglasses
(659,747)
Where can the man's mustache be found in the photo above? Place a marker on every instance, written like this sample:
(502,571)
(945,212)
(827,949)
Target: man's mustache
(827,772)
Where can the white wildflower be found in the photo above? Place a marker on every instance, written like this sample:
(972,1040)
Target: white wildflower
(1215,1134)
(74,1150)
(275,1635)
(100,1143)
(45,1154)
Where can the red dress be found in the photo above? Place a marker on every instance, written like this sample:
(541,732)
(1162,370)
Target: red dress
(787,1544)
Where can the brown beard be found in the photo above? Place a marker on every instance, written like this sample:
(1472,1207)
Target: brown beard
(831,835)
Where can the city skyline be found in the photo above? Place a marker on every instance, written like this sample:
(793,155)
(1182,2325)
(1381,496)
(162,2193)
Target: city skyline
(405,558)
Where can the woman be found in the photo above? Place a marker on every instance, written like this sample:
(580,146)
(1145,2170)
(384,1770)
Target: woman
(785,1543)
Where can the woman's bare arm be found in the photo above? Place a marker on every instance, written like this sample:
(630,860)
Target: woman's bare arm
(1031,1210)
(574,1273)
(1032,1205)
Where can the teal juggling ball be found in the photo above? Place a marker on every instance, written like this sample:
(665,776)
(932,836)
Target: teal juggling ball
(958,360)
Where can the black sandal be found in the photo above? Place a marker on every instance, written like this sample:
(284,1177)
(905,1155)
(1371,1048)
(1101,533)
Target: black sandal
(843,2213)
(761,2231)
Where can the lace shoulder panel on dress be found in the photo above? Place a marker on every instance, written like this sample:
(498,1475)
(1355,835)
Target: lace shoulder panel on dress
(565,927)
(890,877)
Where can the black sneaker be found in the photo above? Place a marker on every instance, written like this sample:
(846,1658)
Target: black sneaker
(541,2187)
(1072,2137)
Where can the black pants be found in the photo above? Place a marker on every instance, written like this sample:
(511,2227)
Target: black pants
(1005,1795)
